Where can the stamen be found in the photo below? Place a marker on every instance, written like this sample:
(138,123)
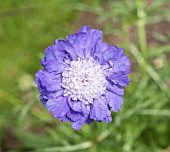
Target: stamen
(84,80)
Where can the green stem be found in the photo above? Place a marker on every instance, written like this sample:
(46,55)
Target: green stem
(142,37)
(81,146)
(103,136)
(151,72)
(141,29)
(155,112)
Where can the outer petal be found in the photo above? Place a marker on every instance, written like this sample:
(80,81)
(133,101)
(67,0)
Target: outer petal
(79,106)
(38,75)
(60,51)
(75,105)
(85,109)
(115,89)
(59,107)
(55,94)
(75,116)
(85,29)
(104,52)
(109,54)
(78,119)
(47,92)
(108,117)
(65,119)
(98,52)
(85,40)
(76,125)
(119,78)
(53,65)
(114,101)
(99,109)
(42,90)
(88,120)
(43,99)
(49,52)
(93,36)
(64,48)
(51,81)
(122,64)
(79,42)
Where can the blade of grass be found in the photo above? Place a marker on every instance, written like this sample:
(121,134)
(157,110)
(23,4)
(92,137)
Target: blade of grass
(150,71)
(155,112)
(81,146)
(9,97)
(159,50)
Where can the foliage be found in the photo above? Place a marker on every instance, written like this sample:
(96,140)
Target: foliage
(27,27)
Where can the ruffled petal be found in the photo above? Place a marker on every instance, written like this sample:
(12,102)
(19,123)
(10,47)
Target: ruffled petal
(59,107)
(99,109)
(38,75)
(79,106)
(109,53)
(115,89)
(76,125)
(43,99)
(106,53)
(55,94)
(85,108)
(108,117)
(88,120)
(119,78)
(49,85)
(74,115)
(122,64)
(97,53)
(85,40)
(64,50)
(51,63)
(78,119)
(78,41)
(93,36)
(49,53)
(60,51)
(54,66)
(85,29)
(51,81)
(114,101)
(75,105)
(42,90)
(65,119)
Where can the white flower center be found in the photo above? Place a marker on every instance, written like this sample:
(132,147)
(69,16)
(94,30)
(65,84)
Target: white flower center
(84,80)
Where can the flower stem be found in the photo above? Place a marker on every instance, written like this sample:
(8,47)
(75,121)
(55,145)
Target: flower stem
(142,32)
(142,37)
(81,146)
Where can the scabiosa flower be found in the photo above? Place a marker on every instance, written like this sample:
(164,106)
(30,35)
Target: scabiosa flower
(83,78)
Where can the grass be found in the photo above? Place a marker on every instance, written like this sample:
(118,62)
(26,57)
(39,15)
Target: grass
(28,27)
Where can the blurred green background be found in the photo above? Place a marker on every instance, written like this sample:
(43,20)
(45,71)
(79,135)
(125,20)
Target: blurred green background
(141,27)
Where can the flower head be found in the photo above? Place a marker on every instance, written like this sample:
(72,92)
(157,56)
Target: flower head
(83,78)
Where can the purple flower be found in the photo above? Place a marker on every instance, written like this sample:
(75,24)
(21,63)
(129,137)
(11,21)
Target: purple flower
(83,78)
